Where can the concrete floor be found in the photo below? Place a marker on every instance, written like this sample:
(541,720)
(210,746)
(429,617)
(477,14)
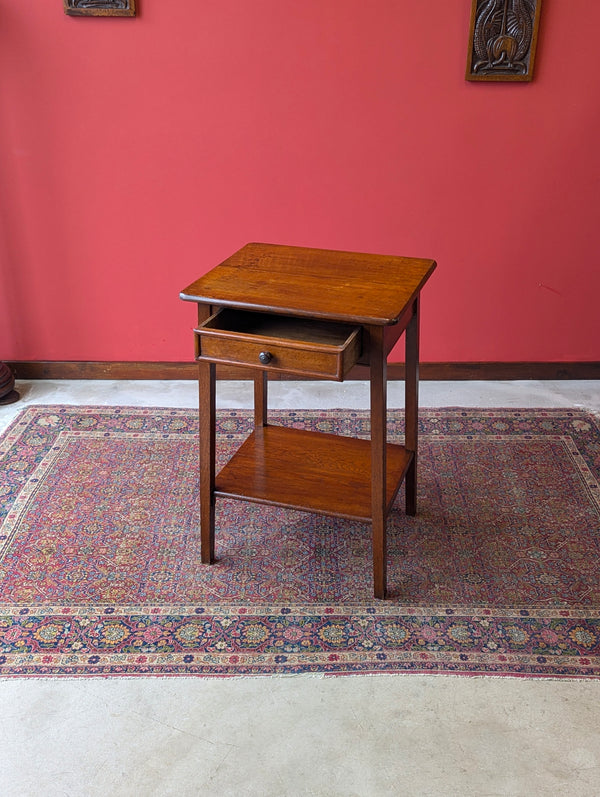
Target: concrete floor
(301,735)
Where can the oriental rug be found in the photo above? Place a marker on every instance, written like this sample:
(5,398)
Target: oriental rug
(100,571)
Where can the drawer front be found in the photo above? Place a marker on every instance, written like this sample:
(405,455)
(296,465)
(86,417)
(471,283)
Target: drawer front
(301,357)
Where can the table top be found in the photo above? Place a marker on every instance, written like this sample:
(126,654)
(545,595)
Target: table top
(317,283)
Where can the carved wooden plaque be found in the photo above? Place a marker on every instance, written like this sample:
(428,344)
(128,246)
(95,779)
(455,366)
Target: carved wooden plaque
(503,39)
(100,8)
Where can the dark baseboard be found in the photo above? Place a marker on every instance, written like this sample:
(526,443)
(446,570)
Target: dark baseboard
(496,371)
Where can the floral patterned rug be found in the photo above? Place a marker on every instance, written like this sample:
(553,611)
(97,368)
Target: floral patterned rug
(100,571)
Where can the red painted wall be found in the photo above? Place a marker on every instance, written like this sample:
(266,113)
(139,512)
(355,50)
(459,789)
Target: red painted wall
(137,153)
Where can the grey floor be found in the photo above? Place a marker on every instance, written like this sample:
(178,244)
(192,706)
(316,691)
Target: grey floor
(301,735)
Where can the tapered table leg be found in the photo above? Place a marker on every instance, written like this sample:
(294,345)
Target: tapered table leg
(378,459)
(260,398)
(411,417)
(206,391)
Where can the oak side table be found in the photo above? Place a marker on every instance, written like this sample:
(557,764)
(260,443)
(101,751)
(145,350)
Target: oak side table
(311,313)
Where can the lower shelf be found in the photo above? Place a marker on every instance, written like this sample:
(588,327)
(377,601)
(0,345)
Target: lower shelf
(311,471)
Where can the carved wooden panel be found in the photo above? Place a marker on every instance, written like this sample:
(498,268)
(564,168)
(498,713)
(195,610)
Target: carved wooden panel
(503,39)
(100,8)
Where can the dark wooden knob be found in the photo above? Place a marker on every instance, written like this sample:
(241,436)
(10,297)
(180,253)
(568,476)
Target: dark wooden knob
(265,357)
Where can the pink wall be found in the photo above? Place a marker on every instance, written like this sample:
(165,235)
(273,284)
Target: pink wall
(137,153)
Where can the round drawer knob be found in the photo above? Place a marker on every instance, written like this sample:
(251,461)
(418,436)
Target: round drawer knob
(265,357)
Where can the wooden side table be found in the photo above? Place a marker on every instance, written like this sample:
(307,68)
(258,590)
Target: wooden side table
(312,313)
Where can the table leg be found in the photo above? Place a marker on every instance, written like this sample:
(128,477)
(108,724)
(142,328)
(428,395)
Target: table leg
(411,417)
(206,392)
(378,367)
(260,398)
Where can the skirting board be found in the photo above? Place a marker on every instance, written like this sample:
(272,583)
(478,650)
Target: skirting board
(443,372)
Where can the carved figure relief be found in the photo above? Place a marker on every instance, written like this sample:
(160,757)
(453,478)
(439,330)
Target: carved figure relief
(100,8)
(503,39)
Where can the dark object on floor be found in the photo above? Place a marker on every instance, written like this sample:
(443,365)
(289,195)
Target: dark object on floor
(8,395)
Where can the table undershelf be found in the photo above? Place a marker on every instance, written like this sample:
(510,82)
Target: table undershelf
(310,471)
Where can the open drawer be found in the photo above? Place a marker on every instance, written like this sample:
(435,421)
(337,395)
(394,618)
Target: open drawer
(301,346)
